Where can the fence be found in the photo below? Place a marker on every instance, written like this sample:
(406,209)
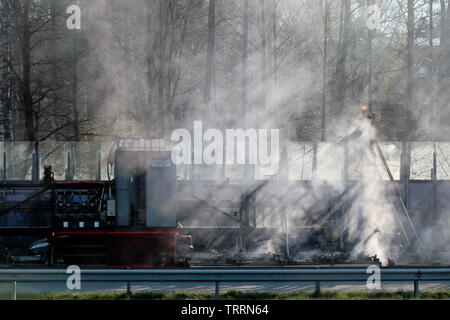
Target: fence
(217,276)
(79,161)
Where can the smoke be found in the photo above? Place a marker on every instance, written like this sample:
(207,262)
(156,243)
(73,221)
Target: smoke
(131,66)
(359,210)
(370,219)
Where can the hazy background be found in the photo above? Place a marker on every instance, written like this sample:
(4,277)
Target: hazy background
(144,68)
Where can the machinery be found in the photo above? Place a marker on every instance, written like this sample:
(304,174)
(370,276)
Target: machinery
(141,218)
(126,222)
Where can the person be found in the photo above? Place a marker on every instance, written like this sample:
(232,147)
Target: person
(48,175)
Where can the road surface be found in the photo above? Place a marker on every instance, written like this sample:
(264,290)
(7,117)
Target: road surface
(210,287)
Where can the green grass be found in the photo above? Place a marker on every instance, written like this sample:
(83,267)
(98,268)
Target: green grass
(235,295)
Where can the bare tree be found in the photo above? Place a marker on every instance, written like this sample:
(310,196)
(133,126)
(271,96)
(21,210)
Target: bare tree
(210,53)
(340,73)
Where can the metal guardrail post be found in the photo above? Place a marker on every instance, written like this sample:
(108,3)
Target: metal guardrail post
(317,288)
(35,166)
(314,160)
(99,167)
(416,289)
(345,169)
(217,290)
(4,167)
(68,173)
(14,290)
(128,286)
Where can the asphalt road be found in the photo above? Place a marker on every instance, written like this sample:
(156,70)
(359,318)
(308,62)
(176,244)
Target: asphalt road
(210,287)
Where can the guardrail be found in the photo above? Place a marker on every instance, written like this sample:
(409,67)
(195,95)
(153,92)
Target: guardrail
(225,275)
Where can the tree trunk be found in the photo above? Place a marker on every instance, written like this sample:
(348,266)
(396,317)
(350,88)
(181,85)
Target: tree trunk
(443,23)
(274,35)
(410,68)
(76,116)
(244,84)
(147,113)
(271,35)
(26,75)
(6,90)
(324,69)
(244,75)
(340,76)
(162,65)
(370,34)
(444,43)
(263,55)
(210,54)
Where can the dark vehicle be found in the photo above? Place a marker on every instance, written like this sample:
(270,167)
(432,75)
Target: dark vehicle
(37,252)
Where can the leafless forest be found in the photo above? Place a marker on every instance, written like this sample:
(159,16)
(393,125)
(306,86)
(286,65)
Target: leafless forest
(311,68)
(143,68)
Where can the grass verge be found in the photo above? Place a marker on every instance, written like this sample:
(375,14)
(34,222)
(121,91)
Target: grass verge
(234,295)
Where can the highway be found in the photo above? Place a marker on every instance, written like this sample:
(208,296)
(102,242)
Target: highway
(210,287)
(438,279)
